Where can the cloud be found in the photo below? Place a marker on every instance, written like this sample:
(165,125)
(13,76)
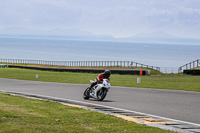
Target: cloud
(177,17)
(37,12)
(115,17)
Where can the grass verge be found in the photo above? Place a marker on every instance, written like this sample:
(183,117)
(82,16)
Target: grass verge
(157,81)
(19,114)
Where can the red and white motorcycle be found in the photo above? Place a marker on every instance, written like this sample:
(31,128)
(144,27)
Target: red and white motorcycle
(97,92)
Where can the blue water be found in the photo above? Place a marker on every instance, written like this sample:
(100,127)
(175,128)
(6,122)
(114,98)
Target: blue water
(161,55)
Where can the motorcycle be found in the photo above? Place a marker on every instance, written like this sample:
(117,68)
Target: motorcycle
(97,92)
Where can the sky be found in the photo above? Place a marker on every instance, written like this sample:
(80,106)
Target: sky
(118,18)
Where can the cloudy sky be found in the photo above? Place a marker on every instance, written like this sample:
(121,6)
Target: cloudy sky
(119,18)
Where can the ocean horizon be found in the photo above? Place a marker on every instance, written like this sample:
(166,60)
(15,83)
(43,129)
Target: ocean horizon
(154,54)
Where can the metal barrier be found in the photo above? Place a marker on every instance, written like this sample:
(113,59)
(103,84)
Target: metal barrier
(80,63)
(114,71)
(190,65)
(169,70)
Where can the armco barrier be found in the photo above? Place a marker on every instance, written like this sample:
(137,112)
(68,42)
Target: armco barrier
(192,72)
(113,71)
(80,63)
(3,66)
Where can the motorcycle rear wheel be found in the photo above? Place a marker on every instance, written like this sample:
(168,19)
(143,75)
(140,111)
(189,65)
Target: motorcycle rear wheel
(86,94)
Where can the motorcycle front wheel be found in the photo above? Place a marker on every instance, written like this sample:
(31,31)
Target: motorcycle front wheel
(86,94)
(101,94)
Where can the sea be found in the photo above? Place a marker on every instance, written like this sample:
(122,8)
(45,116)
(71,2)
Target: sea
(167,56)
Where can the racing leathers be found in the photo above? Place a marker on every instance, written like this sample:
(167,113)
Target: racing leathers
(99,79)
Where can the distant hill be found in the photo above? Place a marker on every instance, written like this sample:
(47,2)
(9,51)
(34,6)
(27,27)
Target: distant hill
(53,34)
(156,37)
(160,37)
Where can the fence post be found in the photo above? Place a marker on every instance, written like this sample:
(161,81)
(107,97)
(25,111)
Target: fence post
(193,64)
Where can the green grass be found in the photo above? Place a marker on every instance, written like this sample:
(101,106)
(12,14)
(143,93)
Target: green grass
(156,80)
(22,115)
(171,82)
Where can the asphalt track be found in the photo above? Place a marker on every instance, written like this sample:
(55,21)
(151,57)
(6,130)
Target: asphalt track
(179,105)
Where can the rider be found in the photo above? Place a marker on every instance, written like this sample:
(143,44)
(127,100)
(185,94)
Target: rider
(99,79)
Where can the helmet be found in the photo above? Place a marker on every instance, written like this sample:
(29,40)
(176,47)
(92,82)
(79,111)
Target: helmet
(107,73)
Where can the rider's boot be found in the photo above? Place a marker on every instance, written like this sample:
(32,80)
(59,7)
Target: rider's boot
(92,85)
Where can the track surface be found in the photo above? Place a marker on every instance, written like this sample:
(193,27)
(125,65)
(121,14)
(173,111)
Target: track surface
(180,105)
